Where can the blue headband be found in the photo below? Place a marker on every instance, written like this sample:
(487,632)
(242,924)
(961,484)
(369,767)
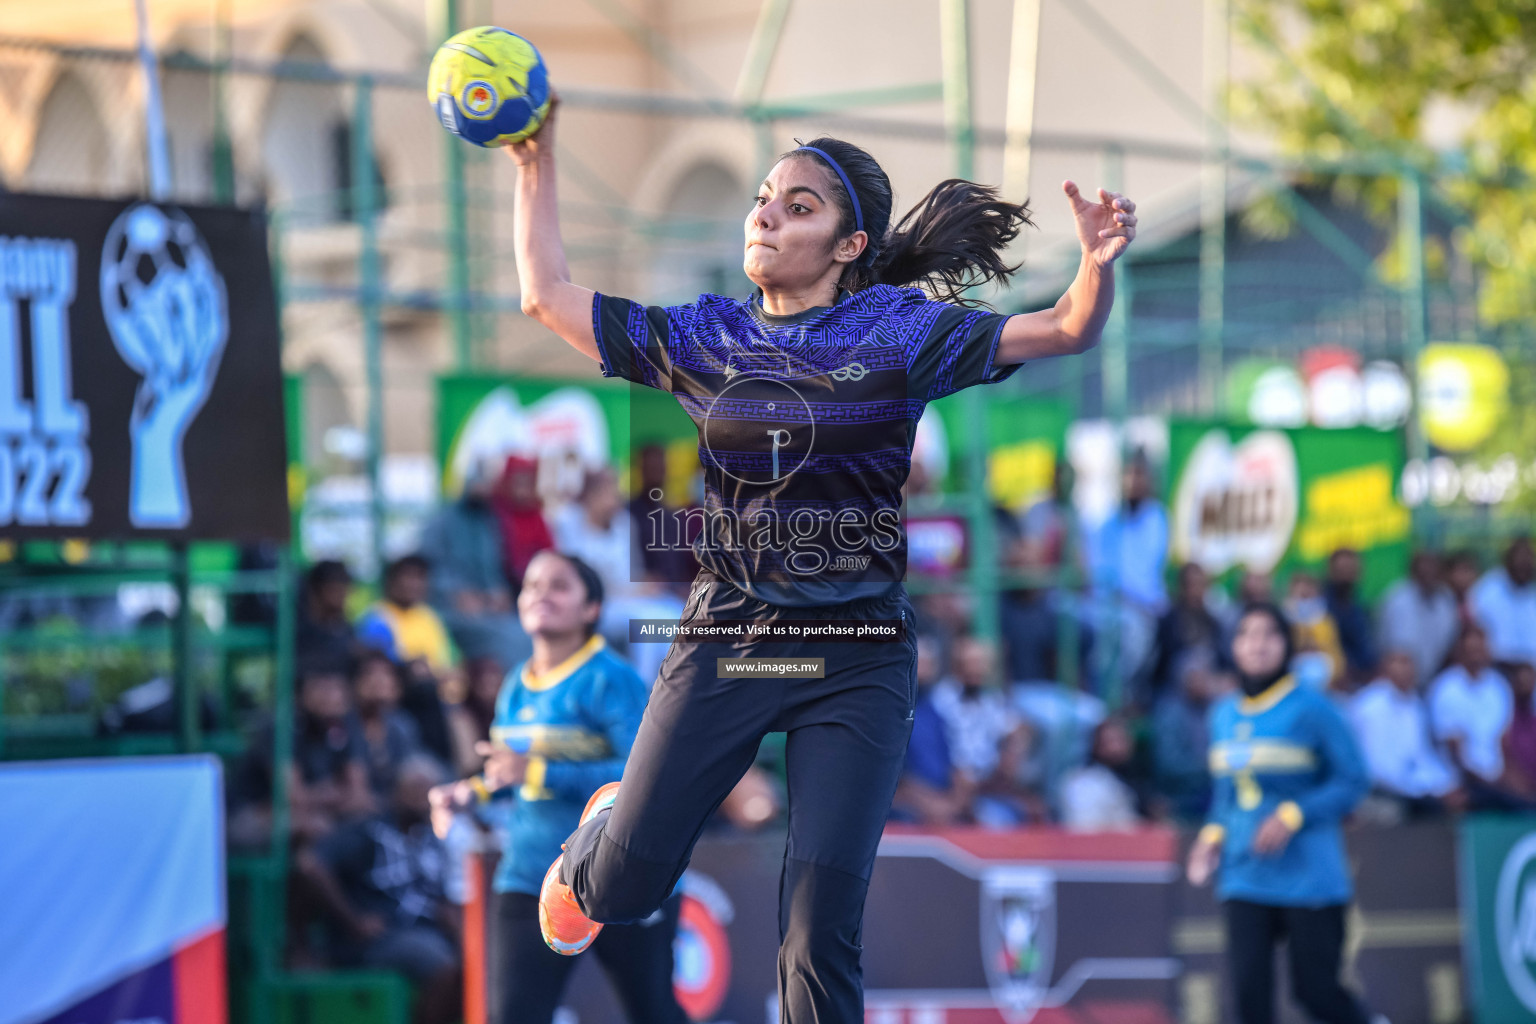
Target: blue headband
(853,197)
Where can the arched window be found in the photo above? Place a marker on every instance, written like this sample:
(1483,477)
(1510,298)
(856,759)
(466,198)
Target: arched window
(699,236)
(71,151)
(298,146)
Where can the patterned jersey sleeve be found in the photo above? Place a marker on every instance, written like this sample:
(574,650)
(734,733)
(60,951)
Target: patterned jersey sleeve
(635,342)
(955,351)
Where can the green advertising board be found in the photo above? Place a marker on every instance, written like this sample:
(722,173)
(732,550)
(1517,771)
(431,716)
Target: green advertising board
(1276,500)
(1498,901)
(589,420)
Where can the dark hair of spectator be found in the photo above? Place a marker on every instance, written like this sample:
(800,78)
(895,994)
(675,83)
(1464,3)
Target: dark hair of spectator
(408,563)
(368,656)
(325,572)
(319,665)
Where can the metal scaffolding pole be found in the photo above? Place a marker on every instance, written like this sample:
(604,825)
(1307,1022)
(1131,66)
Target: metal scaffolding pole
(983,568)
(1213,205)
(365,210)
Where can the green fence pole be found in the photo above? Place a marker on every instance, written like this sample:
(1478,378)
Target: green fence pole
(365,208)
(454,194)
(223,152)
(1415,311)
(185,686)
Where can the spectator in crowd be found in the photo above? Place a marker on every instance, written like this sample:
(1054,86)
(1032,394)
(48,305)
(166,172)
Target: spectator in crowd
(978,718)
(323,630)
(1504,602)
(597,530)
(565,722)
(1181,733)
(404,627)
(1275,837)
(930,792)
(382,881)
(1357,636)
(402,624)
(661,534)
(467,584)
(328,778)
(1318,656)
(1520,737)
(1099,796)
(1126,560)
(1033,628)
(1462,570)
(1049,527)
(1470,710)
(1187,625)
(389,736)
(469,721)
(1391,723)
(1418,616)
(1254,587)
(524,532)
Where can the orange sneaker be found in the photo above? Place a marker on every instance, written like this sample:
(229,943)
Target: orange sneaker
(565,928)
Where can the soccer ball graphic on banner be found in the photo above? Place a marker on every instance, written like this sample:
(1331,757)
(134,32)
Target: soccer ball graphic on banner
(166,309)
(490,86)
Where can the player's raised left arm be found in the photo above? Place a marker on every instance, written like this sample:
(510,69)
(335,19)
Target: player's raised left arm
(1104,229)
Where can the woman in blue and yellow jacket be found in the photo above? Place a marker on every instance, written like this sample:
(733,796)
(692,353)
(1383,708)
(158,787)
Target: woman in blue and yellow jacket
(1287,772)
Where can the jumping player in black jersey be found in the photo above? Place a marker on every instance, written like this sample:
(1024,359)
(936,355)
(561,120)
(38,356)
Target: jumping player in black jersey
(806,397)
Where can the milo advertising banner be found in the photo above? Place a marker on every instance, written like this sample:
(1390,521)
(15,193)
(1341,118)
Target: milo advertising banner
(1274,500)
(566,424)
(1024,438)
(1498,899)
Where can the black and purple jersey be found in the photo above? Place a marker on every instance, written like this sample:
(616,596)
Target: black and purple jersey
(805,424)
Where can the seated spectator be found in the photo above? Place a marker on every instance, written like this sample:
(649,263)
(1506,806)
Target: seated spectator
(405,627)
(1318,659)
(323,630)
(328,779)
(978,719)
(1520,738)
(1186,625)
(1418,616)
(382,884)
(468,582)
(389,735)
(469,721)
(1470,710)
(402,624)
(1391,724)
(524,532)
(1181,733)
(930,792)
(1099,795)
(1462,571)
(1504,603)
(1357,637)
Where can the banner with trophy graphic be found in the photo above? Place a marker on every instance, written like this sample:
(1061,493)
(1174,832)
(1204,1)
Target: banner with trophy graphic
(140,381)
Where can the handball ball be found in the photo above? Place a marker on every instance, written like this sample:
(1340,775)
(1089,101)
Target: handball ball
(489,86)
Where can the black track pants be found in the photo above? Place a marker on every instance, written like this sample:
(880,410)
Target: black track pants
(1314,939)
(846,741)
(636,957)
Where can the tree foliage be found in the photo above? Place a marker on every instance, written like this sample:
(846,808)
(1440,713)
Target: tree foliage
(1447,87)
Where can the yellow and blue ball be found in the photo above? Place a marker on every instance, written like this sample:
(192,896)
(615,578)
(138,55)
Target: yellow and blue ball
(490,86)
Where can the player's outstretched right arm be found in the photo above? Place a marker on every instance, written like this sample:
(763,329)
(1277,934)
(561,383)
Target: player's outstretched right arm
(548,294)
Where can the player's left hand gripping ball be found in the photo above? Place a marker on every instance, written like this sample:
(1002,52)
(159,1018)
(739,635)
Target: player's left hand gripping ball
(489,86)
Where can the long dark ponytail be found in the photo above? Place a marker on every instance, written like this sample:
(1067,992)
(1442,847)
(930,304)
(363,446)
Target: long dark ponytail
(950,242)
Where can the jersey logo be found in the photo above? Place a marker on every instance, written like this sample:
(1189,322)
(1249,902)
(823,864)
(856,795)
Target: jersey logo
(853,371)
